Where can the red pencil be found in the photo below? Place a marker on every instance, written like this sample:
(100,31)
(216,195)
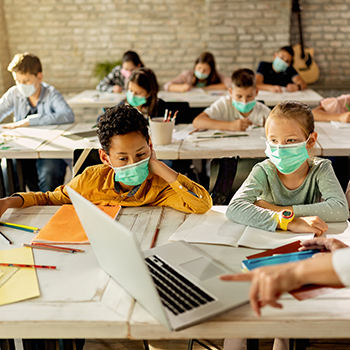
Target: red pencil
(29,266)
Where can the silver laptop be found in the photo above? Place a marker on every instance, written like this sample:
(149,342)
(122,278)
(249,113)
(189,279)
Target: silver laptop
(177,283)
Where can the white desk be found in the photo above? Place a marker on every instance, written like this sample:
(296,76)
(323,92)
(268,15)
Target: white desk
(95,99)
(308,96)
(333,141)
(78,300)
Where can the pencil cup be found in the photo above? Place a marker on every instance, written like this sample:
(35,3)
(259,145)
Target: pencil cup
(161,132)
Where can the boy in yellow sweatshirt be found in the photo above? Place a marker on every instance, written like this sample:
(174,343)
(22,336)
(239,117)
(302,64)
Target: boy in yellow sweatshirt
(130,175)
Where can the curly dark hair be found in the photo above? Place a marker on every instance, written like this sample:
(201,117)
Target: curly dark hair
(120,120)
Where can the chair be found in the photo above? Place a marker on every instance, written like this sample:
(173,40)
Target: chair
(227,174)
(84,157)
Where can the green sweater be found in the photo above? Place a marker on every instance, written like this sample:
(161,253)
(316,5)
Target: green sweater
(319,195)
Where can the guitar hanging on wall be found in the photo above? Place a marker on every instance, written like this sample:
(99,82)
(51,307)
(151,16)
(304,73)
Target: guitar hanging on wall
(304,61)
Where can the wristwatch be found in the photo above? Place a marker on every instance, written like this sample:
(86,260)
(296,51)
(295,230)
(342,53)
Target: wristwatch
(285,217)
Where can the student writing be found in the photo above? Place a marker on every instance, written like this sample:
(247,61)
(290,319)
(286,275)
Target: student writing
(130,175)
(116,80)
(290,190)
(271,76)
(333,108)
(238,110)
(204,75)
(34,102)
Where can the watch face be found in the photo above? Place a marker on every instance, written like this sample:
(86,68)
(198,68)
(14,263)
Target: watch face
(287,213)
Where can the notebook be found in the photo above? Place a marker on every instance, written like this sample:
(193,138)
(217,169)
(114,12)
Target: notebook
(65,227)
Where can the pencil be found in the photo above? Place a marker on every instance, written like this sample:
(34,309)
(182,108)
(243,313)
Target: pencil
(58,247)
(20,227)
(5,238)
(169,115)
(174,117)
(28,266)
(52,247)
(165,115)
(347,106)
(193,131)
(155,235)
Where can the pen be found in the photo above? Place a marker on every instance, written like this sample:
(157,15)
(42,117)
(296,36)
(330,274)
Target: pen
(154,239)
(347,106)
(29,266)
(20,227)
(53,247)
(5,238)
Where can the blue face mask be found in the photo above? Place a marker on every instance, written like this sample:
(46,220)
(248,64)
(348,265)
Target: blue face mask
(287,158)
(200,76)
(134,100)
(279,65)
(244,107)
(26,90)
(132,174)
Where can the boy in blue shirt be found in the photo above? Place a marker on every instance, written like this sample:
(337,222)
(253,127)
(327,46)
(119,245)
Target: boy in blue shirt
(35,103)
(271,76)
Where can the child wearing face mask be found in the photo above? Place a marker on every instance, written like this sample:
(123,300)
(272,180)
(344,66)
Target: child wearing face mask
(289,190)
(142,93)
(34,102)
(238,110)
(271,76)
(130,175)
(117,79)
(204,75)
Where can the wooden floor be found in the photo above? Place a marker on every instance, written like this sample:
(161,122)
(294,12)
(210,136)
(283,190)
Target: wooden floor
(125,344)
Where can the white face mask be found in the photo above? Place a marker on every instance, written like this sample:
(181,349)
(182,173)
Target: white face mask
(26,90)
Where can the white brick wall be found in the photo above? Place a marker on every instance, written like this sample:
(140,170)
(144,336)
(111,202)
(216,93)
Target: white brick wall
(70,36)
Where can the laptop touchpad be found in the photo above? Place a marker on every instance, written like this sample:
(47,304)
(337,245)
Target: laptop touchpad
(202,268)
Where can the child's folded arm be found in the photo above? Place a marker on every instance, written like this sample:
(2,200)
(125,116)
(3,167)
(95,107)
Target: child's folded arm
(185,195)
(334,206)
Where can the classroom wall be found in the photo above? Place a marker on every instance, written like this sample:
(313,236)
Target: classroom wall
(5,57)
(326,29)
(70,36)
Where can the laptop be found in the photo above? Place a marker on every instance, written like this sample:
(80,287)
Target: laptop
(177,283)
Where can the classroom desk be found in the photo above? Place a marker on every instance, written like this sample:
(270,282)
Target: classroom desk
(333,141)
(94,99)
(78,300)
(308,96)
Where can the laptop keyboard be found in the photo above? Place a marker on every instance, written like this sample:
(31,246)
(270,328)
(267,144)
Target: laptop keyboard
(176,292)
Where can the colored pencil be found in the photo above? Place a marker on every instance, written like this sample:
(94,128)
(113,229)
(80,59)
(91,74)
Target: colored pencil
(347,106)
(165,115)
(20,227)
(5,238)
(28,266)
(155,235)
(52,247)
(174,117)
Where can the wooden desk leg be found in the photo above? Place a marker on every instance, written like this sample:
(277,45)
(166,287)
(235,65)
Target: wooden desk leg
(20,175)
(252,344)
(7,344)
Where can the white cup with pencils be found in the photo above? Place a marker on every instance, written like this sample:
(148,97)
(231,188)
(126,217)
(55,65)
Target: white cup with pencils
(162,128)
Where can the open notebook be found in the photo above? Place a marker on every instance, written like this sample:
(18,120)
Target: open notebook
(65,227)
(214,228)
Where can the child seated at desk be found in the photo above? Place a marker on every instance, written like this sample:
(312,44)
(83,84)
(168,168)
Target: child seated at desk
(142,93)
(271,76)
(130,175)
(238,110)
(116,80)
(34,103)
(289,191)
(285,191)
(204,75)
(333,108)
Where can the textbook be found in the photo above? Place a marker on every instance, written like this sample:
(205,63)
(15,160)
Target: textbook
(251,264)
(214,228)
(65,227)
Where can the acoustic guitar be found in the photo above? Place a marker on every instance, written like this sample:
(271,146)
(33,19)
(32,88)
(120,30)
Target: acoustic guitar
(304,61)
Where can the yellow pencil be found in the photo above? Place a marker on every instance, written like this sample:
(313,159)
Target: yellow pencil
(20,227)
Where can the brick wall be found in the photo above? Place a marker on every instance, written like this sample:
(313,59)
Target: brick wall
(326,29)
(70,36)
